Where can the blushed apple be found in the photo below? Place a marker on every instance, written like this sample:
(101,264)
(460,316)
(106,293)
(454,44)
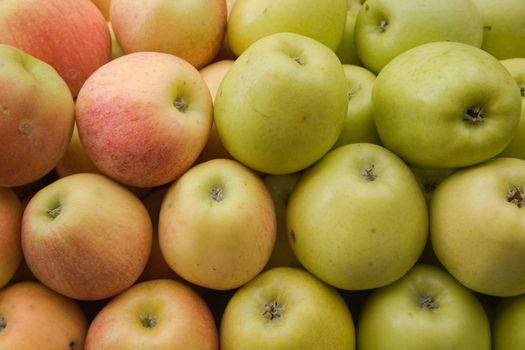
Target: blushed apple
(192,30)
(71,36)
(86,237)
(33,316)
(37,113)
(147,128)
(155,315)
(217,225)
(10,248)
(445,105)
(282,104)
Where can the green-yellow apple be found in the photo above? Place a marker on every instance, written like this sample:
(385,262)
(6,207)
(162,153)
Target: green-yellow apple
(507,325)
(34,317)
(429,179)
(282,104)
(445,105)
(144,129)
(504,32)
(347,51)
(359,125)
(225,52)
(386,28)
(86,237)
(281,187)
(357,219)
(37,117)
(116,50)
(192,30)
(287,308)
(159,314)
(75,159)
(477,226)
(516,148)
(71,36)
(217,225)
(10,248)
(251,20)
(425,309)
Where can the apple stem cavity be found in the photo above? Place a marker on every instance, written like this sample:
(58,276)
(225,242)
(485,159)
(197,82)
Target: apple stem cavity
(273,310)
(516,196)
(217,193)
(3,324)
(427,303)
(475,115)
(53,213)
(369,174)
(298,60)
(148,321)
(180,104)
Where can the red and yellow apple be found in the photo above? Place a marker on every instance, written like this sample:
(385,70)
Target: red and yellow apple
(10,248)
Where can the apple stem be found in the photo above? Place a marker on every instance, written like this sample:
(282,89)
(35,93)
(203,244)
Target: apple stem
(475,115)
(180,104)
(516,196)
(3,323)
(427,303)
(369,173)
(217,193)
(55,211)
(148,321)
(273,310)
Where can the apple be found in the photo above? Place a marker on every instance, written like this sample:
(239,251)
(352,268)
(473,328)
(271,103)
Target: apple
(280,188)
(516,148)
(86,237)
(10,248)
(282,104)
(508,323)
(37,117)
(147,128)
(155,315)
(425,309)
(503,30)
(477,225)
(429,179)
(347,51)
(386,28)
(251,20)
(217,225)
(359,125)
(286,308)
(75,44)
(192,30)
(116,50)
(445,105)
(32,317)
(357,219)
(103,6)
(75,159)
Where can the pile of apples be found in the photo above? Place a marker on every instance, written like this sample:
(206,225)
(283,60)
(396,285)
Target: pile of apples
(279,174)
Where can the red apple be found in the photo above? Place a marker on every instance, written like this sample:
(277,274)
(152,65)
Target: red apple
(10,248)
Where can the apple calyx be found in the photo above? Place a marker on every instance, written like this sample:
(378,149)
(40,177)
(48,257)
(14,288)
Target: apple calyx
(273,310)
(148,320)
(217,193)
(25,127)
(53,213)
(368,174)
(427,303)
(516,196)
(475,115)
(180,104)
(298,60)
(383,25)
(3,324)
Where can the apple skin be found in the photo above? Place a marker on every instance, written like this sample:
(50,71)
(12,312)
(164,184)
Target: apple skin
(217,225)
(516,148)
(10,247)
(476,229)
(75,159)
(251,20)
(156,315)
(503,30)
(144,129)
(313,314)
(116,50)
(347,51)
(507,324)
(103,6)
(35,316)
(192,30)
(359,125)
(445,105)
(265,113)
(96,233)
(386,28)
(41,29)
(38,117)
(357,219)
(425,309)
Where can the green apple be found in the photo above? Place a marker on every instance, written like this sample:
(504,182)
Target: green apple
(159,314)
(251,20)
(285,308)
(357,219)
(507,326)
(359,124)
(477,226)
(282,104)
(386,28)
(445,105)
(217,225)
(504,32)
(425,309)
(347,51)
(429,179)
(516,148)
